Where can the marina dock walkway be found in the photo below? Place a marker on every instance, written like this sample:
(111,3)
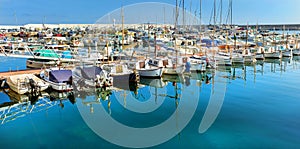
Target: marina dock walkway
(4,75)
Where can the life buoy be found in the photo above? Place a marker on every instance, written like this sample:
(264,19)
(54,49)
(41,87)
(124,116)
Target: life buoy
(77,42)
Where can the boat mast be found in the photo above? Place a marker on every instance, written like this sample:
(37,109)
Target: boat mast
(221,9)
(246,38)
(155,48)
(215,14)
(231,13)
(176,21)
(176,16)
(200,16)
(148,40)
(122,28)
(183,21)
(16,19)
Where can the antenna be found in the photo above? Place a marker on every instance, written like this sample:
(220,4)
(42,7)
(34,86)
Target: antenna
(16,19)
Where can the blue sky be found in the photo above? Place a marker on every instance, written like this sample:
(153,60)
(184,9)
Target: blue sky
(89,11)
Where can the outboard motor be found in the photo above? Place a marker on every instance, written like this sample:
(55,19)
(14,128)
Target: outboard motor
(33,86)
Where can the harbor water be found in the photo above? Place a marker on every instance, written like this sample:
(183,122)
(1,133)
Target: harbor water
(257,107)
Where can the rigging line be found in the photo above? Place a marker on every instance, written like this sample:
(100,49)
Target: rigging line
(211,15)
(228,13)
(218,12)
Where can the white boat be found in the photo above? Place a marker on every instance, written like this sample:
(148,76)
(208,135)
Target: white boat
(171,66)
(197,63)
(59,79)
(271,52)
(248,56)
(237,58)
(121,73)
(258,54)
(222,59)
(146,70)
(26,83)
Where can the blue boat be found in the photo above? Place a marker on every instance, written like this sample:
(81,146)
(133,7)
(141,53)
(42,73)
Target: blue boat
(59,79)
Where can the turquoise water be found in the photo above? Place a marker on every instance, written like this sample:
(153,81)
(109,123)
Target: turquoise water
(260,109)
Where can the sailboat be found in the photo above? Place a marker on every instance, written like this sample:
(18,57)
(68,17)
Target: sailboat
(145,69)
(248,57)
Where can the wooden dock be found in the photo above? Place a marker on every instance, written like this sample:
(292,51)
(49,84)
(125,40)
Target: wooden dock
(4,75)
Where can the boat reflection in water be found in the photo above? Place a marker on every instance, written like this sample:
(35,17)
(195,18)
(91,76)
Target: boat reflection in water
(153,82)
(62,97)
(93,96)
(21,105)
(152,102)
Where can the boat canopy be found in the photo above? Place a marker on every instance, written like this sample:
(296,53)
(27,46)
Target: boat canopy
(60,76)
(45,53)
(90,72)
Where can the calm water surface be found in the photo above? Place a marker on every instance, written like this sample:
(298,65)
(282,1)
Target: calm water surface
(260,109)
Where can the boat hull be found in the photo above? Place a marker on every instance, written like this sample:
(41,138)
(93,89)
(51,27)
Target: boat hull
(61,87)
(259,57)
(275,55)
(239,60)
(249,59)
(39,64)
(151,72)
(222,61)
(296,52)
(23,87)
(15,88)
(287,54)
